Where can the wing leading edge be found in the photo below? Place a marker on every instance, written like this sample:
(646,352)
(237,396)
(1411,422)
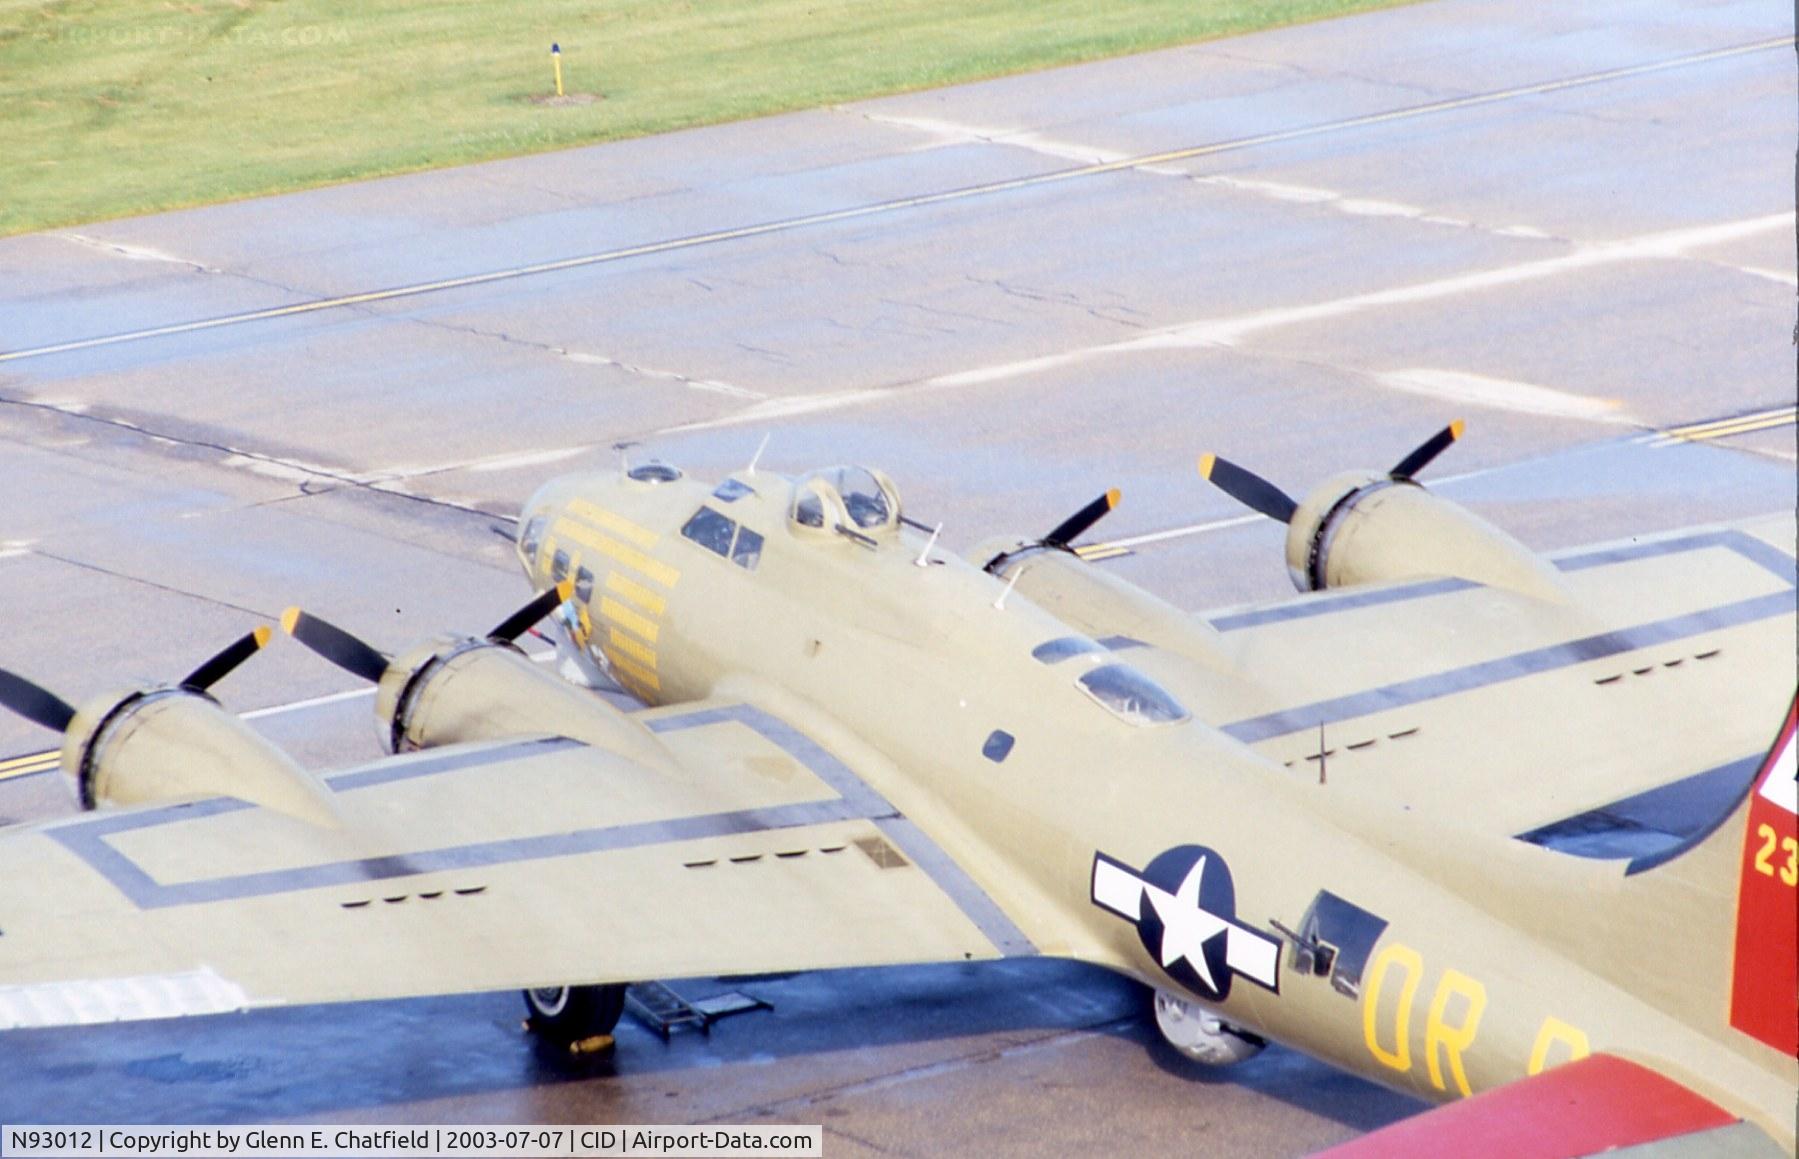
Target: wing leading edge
(521,863)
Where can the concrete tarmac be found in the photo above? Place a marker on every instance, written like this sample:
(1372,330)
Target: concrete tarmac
(1306,249)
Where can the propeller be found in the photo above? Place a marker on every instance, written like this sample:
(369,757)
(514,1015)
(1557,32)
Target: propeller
(41,706)
(38,705)
(1427,450)
(1064,532)
(334,644)
(359,659)
(515,625)
(1077,524)
(1258,494)
(1248,488)
(227,658)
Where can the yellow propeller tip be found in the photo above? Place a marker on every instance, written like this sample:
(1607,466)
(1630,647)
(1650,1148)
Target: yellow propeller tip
(566,588)
(289,618)
(1206,462)
(262,635)
(1456,428)
(1112,498)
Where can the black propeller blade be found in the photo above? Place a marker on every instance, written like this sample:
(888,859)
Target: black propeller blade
(515,625)
(38,705)
(1248,488)
(1427,450)
(1078,523)
(335,645)
(235,653)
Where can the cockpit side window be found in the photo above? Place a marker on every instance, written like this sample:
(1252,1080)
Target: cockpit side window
(711,531)
(583,585)
(1131,696)
(747,551)
(559,566)
(722,536)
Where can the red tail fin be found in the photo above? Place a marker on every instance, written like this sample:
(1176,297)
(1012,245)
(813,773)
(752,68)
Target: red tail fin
(1764,991)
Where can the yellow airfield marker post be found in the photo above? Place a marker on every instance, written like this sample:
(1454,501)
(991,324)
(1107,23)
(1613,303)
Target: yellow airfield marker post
(556,63)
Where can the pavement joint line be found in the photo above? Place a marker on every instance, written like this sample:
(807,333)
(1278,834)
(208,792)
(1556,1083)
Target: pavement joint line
(871,209)
(1228,332)
(277,467)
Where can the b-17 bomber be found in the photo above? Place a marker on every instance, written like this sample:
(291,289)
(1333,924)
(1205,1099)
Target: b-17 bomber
(1511,832)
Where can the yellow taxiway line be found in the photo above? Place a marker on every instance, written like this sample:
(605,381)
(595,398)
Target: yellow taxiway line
(29,764)
(691,241)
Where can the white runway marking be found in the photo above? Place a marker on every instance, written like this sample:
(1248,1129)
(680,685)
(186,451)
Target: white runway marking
(1666,244)
(315,702)
(526,459)
(135,253)
(1784,277)
(955,133)
(712,386)
(1503,394)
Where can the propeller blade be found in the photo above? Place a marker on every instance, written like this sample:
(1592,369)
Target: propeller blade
(1427,450)
(38,705)
(1248,488)
(515,625)
(1077,524)
(217,668)
(335,645)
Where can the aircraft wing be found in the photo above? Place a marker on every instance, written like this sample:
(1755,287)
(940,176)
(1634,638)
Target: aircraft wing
(519,863)
(1601,1103)
(1664,665)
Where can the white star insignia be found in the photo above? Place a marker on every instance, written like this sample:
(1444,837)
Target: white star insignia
(1186,928)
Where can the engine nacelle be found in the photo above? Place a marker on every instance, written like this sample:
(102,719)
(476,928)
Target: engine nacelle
(454,688)
(1091,599)
(1359,528)
(1201,1035)
(175,744)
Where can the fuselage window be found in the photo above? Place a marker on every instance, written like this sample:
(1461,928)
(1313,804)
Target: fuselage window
(533,536)
(731,490)
(711,531)
(1062,647)
(583,585)
(747,552)
(1131,696)
(559,566)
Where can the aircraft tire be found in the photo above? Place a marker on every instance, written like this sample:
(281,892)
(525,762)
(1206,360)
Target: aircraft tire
(566,1015)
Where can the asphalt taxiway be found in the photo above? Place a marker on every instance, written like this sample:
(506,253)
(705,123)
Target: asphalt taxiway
(1306,249)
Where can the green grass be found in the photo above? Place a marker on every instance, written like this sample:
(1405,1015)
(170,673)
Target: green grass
(114,107)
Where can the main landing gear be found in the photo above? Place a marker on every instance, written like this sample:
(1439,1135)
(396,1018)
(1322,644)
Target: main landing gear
(579,1019)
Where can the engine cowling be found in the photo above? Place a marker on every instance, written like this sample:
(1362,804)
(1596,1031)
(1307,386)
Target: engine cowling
(1201,1035)
(175,744)
(1094,601)
(1360,528)
(456,688)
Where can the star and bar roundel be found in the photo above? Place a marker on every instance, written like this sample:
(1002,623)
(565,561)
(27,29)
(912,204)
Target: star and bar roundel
(1184,906)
